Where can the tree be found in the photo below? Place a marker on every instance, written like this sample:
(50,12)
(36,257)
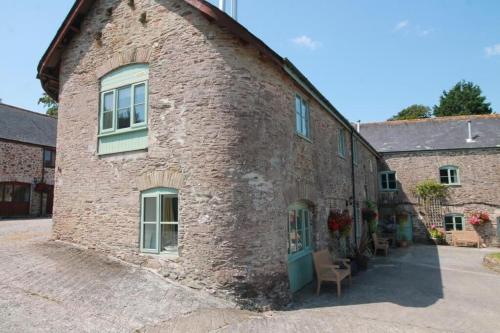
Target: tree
(463,99)
(415,111)
(50,104)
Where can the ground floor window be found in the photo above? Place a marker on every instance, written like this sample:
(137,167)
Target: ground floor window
(299,229)
(160,221)
(15,192)
(454,222)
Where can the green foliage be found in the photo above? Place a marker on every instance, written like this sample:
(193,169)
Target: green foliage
(463,99)
(415,111)
(51,105)
(431,189)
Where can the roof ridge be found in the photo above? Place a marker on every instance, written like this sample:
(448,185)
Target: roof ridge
(26,110)
(434,119)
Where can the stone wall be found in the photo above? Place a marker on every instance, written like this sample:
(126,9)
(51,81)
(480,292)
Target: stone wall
(479,188)
(20,162)
(221,130)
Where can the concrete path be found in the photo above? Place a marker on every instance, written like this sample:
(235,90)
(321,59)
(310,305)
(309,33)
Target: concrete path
(51,287)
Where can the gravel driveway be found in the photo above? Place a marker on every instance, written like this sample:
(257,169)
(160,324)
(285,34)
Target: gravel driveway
(52,287)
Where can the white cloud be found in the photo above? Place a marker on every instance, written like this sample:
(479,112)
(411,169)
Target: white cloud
(424,32)
(307,42)
(493,50)
(402,25)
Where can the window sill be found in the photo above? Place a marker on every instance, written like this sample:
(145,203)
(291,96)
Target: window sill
(388,191)
(342,156)
(126,130)
(162,255)
(303,137)
(452,185)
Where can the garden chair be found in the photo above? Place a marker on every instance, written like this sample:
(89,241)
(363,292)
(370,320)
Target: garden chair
(328,269)
(380,244)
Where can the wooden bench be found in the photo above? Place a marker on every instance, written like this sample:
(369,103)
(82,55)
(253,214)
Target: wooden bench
(465,238)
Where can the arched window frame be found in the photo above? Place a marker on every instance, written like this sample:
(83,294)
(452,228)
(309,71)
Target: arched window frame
(157,194)
(448,178)
(131,77)
(304,238)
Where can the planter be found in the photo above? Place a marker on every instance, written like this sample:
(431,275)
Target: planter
(362,262)
(437,241)
(354,266)
(403,243)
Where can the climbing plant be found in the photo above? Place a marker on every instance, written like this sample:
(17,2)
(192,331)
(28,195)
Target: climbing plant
(431,190)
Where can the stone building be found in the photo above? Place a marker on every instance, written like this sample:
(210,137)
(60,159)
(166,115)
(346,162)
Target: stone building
(27,157)
(187,145)
(462,153)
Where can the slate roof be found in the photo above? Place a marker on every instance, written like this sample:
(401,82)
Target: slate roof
(433,134)
(27,126)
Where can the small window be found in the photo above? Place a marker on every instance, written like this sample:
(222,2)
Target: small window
(49,158)
(341,143)
(302,117)
(449,175)
(388,181)
(454,222)
(160,221)
(355,150)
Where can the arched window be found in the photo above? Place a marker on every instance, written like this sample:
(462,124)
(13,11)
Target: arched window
(454,222)
(299,228)
(160,221)
(124,109)
(449,175)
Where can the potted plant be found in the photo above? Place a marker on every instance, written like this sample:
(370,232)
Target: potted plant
(340,222)
(437,236)
(479,218)
(403,242)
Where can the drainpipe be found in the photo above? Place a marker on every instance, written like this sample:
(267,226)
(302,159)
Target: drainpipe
(41,181)
(353,179)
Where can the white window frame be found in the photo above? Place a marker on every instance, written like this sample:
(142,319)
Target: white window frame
(302,118)
(454,217)
(386,175)
(341,146)
(449,169)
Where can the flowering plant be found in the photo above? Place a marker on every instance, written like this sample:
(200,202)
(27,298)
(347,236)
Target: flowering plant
(369,214)
(341,222)
(436,233)
(479,218)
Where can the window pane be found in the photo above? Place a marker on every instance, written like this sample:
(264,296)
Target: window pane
(305,115)
(140,94)
(169,237)
(169,209)
(459,223)
(149,232)
(443,174)
(124,101)
(293,231)
(21,193)
(108,107)
(8,193)
(448,223)
(149,209)
(139,113)
(453,176)
(298,115)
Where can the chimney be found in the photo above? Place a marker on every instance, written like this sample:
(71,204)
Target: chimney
(358,125)
(469,127)
(234,8)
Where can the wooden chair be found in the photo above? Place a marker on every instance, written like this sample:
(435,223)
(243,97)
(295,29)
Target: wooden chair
(380,244)
(327,269)
(465,238)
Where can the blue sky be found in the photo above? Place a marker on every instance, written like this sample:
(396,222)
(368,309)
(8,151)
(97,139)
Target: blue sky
(369,58)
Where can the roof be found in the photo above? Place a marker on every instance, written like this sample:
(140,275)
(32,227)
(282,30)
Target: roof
(49,65)
(21,125)
(443,133)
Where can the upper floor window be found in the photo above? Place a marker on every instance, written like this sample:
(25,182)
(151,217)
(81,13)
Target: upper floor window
(124,99)
(449,175)
(388,181)
(454,222)
(302,117)
(341,143)
(355,150)
(49,158)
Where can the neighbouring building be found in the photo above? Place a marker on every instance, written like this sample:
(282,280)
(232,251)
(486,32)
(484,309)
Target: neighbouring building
(462,153)
(187,145)
(27,161)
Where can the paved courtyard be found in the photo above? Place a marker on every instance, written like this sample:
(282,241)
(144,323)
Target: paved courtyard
(52,287)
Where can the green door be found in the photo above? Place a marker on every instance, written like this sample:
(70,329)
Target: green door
(300,265)
(405,230)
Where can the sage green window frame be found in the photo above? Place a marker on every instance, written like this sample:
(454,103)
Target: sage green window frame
(133,124)
(299,230)
(454,222)
(385,182)
(449,169)
(341,150)
(302,117)
(158,194)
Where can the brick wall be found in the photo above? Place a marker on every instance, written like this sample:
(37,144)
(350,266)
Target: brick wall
(221,124)
(479,189)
